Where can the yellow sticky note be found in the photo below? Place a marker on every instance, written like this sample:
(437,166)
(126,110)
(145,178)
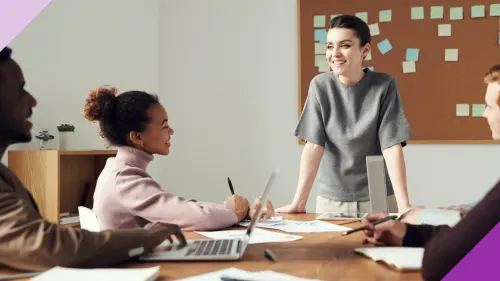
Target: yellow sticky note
(363,16)
(385,16)
(477,11)
(319,21)
(451,55)
(456,13)
(409,67)
(374,29)
(462,110)
(319,49)
(369,56)
(444,29)
(417,13)
(437,12)
(323,66)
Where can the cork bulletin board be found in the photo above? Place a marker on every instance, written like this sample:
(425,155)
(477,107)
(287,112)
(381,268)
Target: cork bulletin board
(437,51)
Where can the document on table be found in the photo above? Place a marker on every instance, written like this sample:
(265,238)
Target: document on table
(269,221)
(400,258)
(238,274)
(305,226)
(258,235)
(76,274)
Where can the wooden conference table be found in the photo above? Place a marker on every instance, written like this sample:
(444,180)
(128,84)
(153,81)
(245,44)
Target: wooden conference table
(324,256)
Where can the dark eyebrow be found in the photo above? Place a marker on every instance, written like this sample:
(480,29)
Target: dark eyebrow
(343,41)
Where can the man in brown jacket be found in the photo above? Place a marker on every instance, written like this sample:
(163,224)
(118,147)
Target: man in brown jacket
(28,241)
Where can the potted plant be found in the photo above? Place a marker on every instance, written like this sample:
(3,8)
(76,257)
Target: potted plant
(44,137)
(64,131)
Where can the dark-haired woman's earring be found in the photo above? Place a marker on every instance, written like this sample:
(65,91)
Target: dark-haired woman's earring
(142,144)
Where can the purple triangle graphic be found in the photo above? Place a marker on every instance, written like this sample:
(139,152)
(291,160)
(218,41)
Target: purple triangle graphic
(482,262)
(15,15)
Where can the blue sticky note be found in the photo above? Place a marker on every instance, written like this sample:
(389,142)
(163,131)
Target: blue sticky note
(412,54)
(384,46)
(320,35)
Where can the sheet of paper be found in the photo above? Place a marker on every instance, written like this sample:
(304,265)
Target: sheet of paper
(495,10)
(374,29)
(306,226)
(444,29)
(320,35)
(319,49)
(385,16)
(239,274)
(478,11)
(478,110)
(456,13)
(363,16)
(319,21)
(417,13)
(384,46)
(409,67)
(451,54)
(269,221)
(462,110)
(412,54)
(369,56)
(404,258)
(258,235)
(437,12)
(75,274)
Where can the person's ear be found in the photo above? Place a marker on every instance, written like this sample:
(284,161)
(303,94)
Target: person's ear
(366,49)
(136,138)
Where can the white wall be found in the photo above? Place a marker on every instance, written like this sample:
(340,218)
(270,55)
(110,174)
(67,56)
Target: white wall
(73,46)
(227,73)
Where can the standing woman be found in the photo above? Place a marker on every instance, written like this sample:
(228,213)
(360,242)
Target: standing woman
(349,114)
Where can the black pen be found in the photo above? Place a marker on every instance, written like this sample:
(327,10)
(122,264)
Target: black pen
(230,185)
(374,223)
(270,256)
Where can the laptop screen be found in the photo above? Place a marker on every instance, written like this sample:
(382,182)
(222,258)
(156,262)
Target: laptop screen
(259,210)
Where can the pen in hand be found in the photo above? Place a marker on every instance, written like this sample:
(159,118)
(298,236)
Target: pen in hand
(374,223)
(230,185)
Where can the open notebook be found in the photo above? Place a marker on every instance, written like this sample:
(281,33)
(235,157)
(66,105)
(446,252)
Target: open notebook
(75,274)
(399,258)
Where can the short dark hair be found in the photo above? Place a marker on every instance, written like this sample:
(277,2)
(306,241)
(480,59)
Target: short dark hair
(5,54)
(360,27)
(118,115)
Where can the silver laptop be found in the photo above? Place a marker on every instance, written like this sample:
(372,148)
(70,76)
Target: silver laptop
(375,170)
(212,249)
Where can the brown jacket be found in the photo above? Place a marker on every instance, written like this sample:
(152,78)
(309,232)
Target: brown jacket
(29,242)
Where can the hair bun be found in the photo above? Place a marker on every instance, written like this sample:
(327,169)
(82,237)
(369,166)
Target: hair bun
(100,102)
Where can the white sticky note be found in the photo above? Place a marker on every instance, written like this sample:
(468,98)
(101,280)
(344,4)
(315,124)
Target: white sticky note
(462,110)
(323,66)
(451,55)
(444,29)
(374,29)
(319,49)
(437,12)
(385,16)
(363,16)
(477,11)
(333,16)
(409,67)
(370,68)
(369,56)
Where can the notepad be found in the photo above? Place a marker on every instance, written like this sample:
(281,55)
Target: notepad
(239,274)
(76,274)
(398,258)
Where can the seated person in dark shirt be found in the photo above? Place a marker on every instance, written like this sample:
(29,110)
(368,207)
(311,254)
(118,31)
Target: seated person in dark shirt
(446,246)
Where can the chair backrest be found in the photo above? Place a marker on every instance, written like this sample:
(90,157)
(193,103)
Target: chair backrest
(375,169)
(88,219)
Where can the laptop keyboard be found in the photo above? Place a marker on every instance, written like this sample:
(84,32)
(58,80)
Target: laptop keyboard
(210,248)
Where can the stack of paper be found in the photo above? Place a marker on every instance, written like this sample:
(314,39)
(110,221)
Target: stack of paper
(238,274)
(304,226)
(401,258)
(269,221)
(75,274)
(258,235)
